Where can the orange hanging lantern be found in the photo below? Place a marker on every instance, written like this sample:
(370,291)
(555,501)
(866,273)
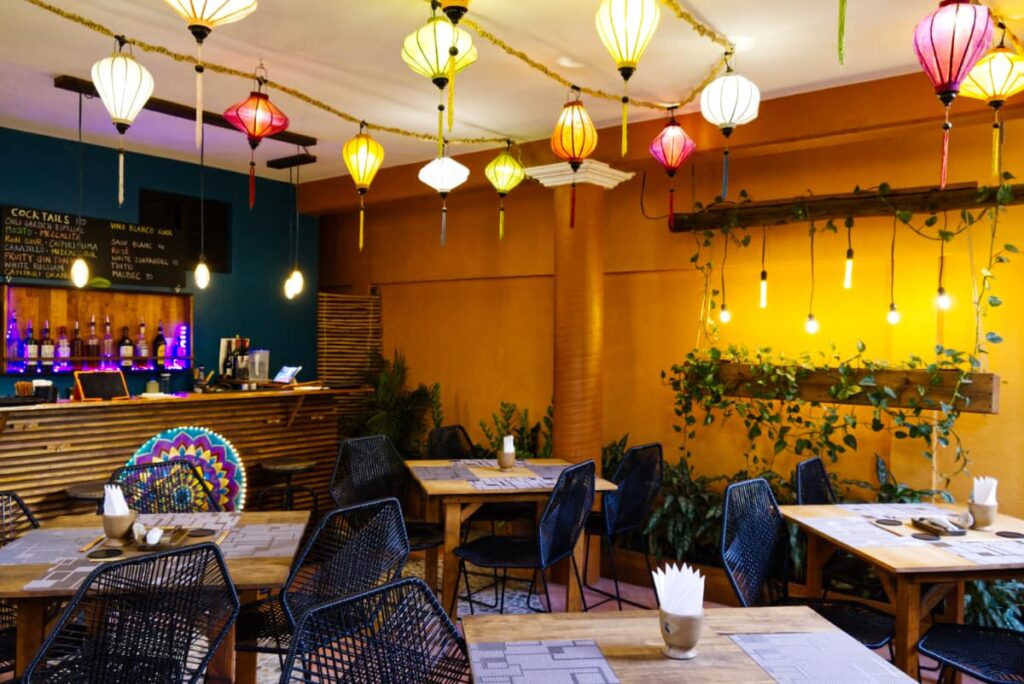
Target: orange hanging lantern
(258,118)
(672,147)
(573,140)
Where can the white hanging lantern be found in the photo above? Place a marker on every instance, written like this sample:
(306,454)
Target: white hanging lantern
(125,86)
(444,174)
(729,101)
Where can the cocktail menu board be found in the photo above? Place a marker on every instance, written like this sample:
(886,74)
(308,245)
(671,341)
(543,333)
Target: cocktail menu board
(37,243)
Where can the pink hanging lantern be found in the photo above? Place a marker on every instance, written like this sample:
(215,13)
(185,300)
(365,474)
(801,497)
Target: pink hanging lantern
(671,147)
(948,43)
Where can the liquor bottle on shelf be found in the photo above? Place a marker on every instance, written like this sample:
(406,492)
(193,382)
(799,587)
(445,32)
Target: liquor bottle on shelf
(142,348)
(63,351)
(242,361)
(47,350)
(15,361)
(160,347)
(77,349)
(125,349)
(92,347)
(228,369)
(107,350)
(31,351)
(181,349)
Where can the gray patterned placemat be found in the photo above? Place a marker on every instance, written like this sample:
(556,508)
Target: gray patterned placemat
(262,541)
(488,462)
(215,521)
(47,546)
(66,575)
(500,483)
(577,661)
(453,472)
(818,658)
(550,472)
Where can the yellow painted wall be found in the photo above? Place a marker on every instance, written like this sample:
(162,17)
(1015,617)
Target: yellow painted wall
(477,315)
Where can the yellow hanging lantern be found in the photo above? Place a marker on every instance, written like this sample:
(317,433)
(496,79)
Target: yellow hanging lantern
(438,51)
(573,140)
(626,28)
(505,173)
(363,156)
(994,79)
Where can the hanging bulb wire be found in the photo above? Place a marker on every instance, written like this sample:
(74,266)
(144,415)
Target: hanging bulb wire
(893,315)
(199,95)
(810,306)
(79,268)
(725,316)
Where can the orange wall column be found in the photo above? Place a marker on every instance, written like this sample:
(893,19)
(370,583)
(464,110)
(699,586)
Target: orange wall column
(579,305)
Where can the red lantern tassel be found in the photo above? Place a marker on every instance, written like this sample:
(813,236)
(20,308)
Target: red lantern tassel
(671,207)
(252,184)
(362,212)
(572,207)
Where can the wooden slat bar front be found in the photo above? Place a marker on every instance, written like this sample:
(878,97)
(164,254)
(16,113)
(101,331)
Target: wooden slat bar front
(46,448)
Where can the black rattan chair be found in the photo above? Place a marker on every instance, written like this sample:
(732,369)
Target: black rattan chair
(15,520)
(558,530)
(157,618)
(394,634)
(353,550)
(843,572)
(174,486)
(370,468)
(625,510)
(988,654)
(755,554)
(449,442)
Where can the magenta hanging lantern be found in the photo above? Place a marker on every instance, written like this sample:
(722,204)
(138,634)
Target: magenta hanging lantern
(671,147)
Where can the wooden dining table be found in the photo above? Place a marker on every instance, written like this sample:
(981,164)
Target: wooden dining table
(631,645)
(455,490)
(916,574)
(263,564)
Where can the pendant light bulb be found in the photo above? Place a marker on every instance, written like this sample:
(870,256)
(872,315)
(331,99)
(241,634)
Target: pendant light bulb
(724,315)
(893,317)
(202,274)
(80,273)
(298,282)
(811,326)
(764,289)
(848,273)
(289,287)
(942,300)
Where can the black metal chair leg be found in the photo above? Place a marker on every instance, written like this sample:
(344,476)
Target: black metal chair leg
(547,596)
(455,597)
(529,594)
(504,581)
(615,573)
(469,592)
(579,582)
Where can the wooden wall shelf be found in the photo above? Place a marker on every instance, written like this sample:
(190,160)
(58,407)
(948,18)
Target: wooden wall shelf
(982,390)
(825,207)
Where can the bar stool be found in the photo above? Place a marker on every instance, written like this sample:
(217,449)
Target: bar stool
(86,491)
(288,468)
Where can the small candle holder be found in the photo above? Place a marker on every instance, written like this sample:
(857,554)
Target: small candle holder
(118,528)
(984,515)
(681,634)
(506,460)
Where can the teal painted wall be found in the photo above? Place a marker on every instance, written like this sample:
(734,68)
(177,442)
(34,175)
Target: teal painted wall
(41,172)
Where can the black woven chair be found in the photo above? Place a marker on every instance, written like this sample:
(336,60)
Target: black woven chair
(370,468)
(395,634)
(15,520)
(988,654)
(157,618)
(843,572)
(353,550)
(174,486)
(449,442)
(625,510)
(755,554)
(558,530)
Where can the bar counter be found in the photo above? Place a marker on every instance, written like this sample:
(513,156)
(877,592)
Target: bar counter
(47,447)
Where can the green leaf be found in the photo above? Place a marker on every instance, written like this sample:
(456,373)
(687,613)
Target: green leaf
(994,301)
(994,338)
(905,216)
(1011,248)
(861,346)
(850,441)
(884,189)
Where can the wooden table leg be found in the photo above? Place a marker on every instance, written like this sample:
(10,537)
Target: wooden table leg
(450,569)
(818,553)
(430,555)
(31,631)
(228,665)
(908,625)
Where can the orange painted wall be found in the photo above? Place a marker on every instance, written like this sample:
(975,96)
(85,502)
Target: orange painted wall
(476,315)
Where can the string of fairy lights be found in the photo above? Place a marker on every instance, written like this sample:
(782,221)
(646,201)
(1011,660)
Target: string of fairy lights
(440,49)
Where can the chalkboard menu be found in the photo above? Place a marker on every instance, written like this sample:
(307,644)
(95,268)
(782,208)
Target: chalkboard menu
(43,244)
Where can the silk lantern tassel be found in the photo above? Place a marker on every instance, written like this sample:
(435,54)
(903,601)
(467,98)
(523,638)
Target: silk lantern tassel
(997,147)
(444,219)
(947,126)
(572,204)
(362,215)
(252,179)
(501,216)
(841,46)
(120,172)
(625,125)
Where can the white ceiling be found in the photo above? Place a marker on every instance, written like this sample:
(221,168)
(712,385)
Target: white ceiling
(346,53)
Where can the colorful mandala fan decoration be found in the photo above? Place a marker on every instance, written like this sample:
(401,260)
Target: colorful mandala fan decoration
(214,456)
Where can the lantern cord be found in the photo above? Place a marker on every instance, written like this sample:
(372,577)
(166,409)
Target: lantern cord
(892,265)
(298,181)
(572,203)
(120,171)
(199,96)
(501,219)
(997,147)
(946,127)
(841,46)
(444,221)
(725,173)
(362,214)
(811,302)
(252,180)
(725,257)
(451,93)
(625,125)
(942,261)
(643,206)
(202,199)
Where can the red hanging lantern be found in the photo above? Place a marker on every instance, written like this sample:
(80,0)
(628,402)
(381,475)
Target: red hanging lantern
(948,43)
(258,118)
(671,147)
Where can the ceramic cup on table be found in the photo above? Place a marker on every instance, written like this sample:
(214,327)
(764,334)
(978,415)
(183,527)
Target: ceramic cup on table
(984,514)
(118,528)
(681,634)
(506,460)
